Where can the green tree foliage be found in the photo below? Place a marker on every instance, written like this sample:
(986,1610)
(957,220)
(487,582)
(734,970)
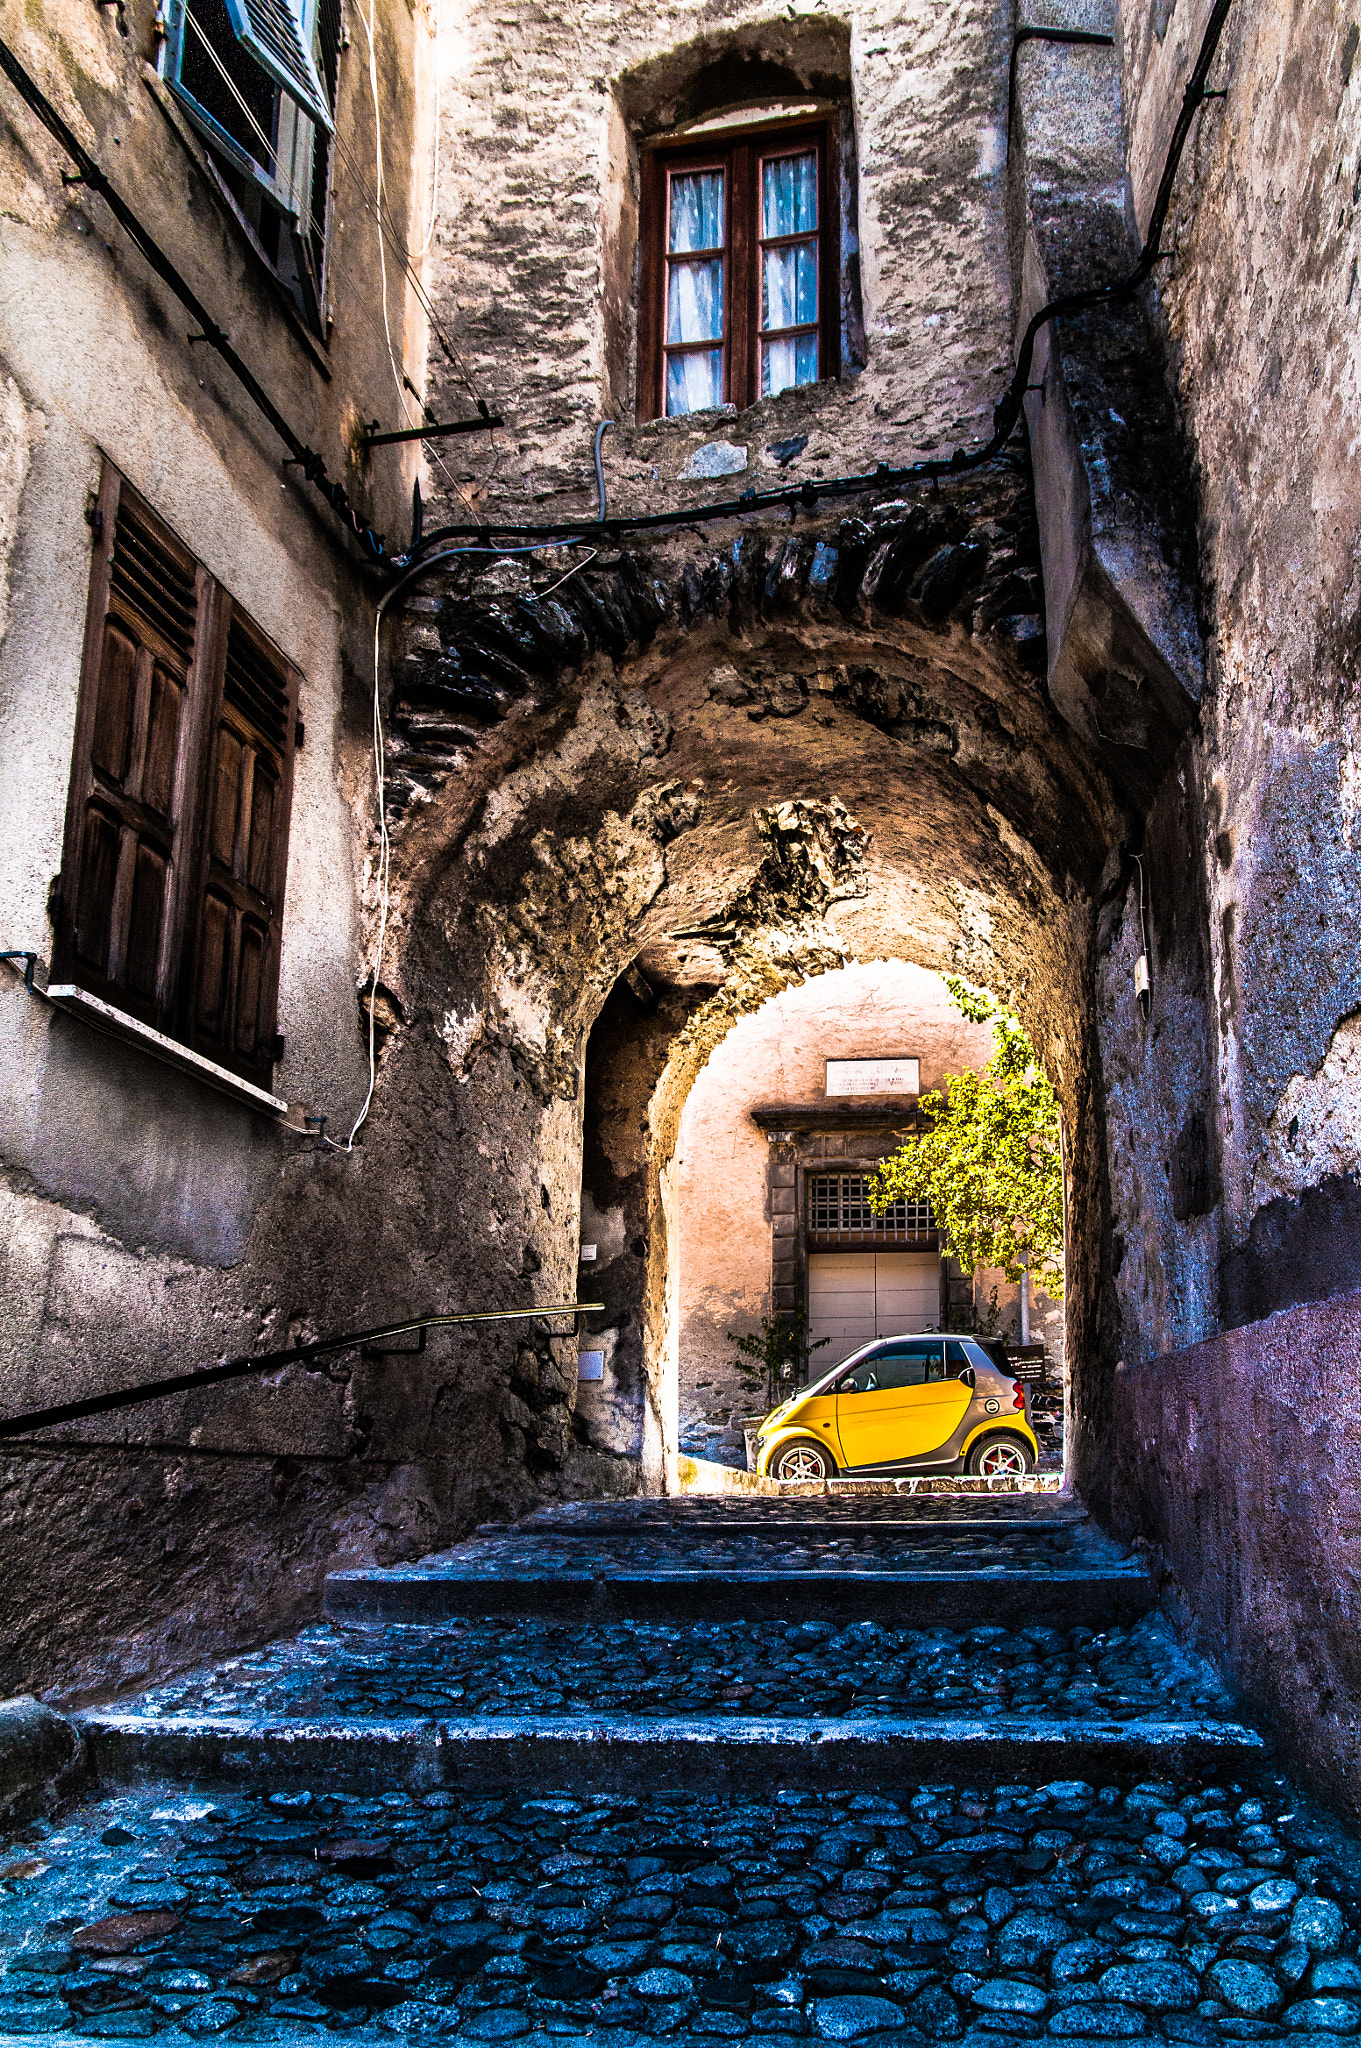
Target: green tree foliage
(989,1159)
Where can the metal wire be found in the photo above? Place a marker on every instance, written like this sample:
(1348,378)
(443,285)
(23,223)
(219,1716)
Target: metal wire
(1006,413)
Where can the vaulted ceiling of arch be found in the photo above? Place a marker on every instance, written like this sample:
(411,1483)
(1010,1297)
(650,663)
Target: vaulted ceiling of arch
(595,776)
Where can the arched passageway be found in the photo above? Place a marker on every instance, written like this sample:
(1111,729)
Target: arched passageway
(809,746)
(793,1111)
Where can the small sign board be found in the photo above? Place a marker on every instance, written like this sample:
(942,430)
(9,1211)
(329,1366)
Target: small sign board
(590,1365)
(874,1077)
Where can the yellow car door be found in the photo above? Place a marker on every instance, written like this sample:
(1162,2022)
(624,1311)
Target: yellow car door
(897,1404)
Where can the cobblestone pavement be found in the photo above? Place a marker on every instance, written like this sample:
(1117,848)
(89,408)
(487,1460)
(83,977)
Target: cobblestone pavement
(865,1671)
(808,1544)
(856,1502)
(1162,1914)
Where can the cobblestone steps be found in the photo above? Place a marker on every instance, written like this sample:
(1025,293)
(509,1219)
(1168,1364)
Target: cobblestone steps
(691,1705)
(766,1560)
(1169,1911)
(557,1829)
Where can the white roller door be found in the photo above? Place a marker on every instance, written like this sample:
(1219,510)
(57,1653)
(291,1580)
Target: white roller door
(906,1293)
(855,1296)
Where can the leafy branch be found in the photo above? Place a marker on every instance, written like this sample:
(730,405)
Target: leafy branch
(990,1161)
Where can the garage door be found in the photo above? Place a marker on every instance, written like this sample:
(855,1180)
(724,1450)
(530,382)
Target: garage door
(854,1296)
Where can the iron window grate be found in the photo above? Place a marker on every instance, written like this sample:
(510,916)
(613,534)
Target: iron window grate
(838,1206)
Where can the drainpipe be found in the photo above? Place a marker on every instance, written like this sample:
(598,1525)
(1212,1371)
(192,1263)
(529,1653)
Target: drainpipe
(1025,1301)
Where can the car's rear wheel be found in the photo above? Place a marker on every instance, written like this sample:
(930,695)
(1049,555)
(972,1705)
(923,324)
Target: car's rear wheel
(802,1461)
(1000,1457)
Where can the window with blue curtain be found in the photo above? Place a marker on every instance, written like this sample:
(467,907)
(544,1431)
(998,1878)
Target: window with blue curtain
(739,273)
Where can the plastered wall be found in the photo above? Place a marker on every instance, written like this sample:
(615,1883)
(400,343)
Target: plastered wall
(150,1223)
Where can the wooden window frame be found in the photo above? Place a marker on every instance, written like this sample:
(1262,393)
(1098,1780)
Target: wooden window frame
(180,833)
(739,152)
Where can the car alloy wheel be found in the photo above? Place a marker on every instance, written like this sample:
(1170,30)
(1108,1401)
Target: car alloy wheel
(803,1462)
(1001,1457)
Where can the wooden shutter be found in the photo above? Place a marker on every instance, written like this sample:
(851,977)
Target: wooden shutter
(119,907)
(232,980)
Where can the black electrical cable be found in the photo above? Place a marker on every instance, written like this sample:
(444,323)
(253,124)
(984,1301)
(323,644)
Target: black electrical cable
(1005,414)
(311,464)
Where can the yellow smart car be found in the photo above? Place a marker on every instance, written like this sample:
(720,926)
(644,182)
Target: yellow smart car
(929,1404)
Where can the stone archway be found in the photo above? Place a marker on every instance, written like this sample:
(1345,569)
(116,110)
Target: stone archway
(720,743)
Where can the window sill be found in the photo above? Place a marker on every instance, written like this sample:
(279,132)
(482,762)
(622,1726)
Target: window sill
(117,1024)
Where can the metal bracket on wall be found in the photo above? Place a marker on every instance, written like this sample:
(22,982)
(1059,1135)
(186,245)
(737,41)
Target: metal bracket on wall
(431,431)
(407,1350)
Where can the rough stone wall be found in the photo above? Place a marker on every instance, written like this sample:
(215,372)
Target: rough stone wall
(1260,311)
(736,725)
(1235,1197)
(535,266)
(627,1053)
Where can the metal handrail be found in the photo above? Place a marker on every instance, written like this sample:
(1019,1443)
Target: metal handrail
(239,1368)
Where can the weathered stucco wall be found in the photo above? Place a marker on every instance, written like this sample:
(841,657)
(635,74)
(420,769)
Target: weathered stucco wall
(152,1224)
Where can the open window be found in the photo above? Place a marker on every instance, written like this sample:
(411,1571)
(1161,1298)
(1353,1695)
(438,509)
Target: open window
(169,904)
(740,277)
(258,79)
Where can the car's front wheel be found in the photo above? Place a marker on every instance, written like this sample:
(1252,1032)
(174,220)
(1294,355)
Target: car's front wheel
(802,1461)
(1000,1457)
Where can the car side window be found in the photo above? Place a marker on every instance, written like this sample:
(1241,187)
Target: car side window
(975,1355)
(904,1365)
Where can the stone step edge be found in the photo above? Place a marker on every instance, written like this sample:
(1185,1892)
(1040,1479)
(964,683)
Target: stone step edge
(905,1599)
(604,1752)
(466,1572)
(768,1528)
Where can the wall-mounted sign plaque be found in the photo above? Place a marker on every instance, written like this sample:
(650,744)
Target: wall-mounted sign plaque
(590,1365)
(873,1077)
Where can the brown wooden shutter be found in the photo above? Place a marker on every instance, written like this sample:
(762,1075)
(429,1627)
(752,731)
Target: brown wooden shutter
(232,978)
(129,812)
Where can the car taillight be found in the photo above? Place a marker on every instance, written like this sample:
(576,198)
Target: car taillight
(1018,1394)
